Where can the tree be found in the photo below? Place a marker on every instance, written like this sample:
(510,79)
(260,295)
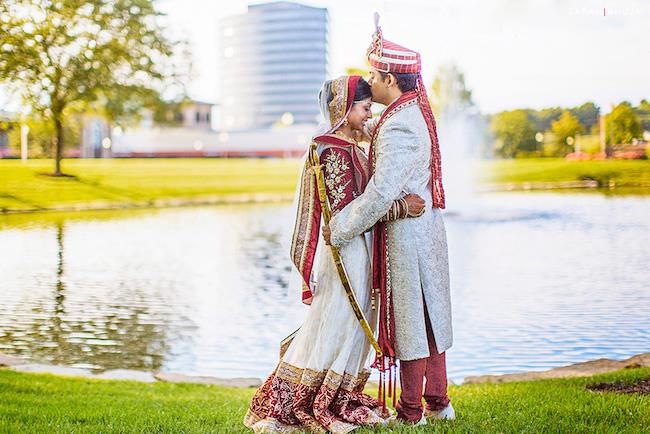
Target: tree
(622,125)
(567,126)
(449,92)
(643,111)
(41,134)
(545,117)
(58,54)
(514,131)
(588,114)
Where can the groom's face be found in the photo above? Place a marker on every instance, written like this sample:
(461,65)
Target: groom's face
(378,86)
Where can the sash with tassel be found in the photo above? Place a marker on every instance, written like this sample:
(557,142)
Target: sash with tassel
(385,361)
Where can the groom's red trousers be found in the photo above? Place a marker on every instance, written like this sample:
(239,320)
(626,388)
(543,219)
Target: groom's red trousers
(412,375)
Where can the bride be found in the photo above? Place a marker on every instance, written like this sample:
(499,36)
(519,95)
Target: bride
(318,383)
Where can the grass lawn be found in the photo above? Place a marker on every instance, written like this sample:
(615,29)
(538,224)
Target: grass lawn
(99,183)
(625,173)
(36,403)
(127,181)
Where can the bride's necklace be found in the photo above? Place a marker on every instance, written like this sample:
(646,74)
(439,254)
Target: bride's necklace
(345,136)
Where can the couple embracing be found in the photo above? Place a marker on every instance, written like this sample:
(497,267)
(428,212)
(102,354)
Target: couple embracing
(387,227)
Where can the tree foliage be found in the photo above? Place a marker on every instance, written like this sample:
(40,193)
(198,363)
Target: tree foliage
(622,125)
(568,125)
(643,111)
(55,54)
(588,114)
(545,117)
(514,131)
(42,134)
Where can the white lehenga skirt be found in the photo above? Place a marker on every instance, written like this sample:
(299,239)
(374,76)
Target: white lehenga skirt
(318,384)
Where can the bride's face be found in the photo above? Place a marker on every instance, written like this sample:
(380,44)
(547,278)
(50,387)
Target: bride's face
(359,114)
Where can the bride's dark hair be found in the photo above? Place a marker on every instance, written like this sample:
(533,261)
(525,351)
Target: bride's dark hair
(362,90)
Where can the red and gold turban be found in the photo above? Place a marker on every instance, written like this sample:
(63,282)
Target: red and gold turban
(386,56)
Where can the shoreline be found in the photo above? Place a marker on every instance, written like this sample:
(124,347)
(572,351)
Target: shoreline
(580,369)
(177,202)
(612,187)
(269,198)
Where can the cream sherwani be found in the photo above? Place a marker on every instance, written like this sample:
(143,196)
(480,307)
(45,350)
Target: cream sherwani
(417,247)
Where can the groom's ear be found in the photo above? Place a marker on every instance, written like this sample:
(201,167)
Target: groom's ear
(390,79)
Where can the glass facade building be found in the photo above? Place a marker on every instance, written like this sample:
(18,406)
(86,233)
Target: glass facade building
(273,61)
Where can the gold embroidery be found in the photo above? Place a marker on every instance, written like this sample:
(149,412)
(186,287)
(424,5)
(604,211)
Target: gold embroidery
(303,225)
(345,137)
(389,286)
(312,378)
(332,380)
(318,392)
(339,100)
(335,170)
(310,212)
(289,373)
(349,382)
(361,381)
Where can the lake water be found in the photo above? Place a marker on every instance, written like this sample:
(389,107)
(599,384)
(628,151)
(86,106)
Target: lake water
(538,280)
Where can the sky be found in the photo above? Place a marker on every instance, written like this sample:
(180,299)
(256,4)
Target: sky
(514,53)
(523,53)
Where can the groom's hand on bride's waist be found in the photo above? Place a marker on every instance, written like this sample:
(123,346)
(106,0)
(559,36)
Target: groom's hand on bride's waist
(327,234)
(415,205)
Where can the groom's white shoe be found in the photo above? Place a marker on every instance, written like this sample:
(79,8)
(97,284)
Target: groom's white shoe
(422,421)
(446,413)
(392,420)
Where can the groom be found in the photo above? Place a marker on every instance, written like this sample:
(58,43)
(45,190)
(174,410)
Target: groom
(410,264)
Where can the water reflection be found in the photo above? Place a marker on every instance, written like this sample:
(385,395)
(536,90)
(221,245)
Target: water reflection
(73,329)
(538,280)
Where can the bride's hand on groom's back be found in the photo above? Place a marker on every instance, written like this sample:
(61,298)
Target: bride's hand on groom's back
(327,233)
(415,206)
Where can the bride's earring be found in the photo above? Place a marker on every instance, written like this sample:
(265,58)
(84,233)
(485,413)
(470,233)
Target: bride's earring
(345,122)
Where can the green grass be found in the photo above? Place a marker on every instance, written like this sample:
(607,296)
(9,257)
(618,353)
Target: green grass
(128,181)
(36,403)
(625,173)
(100,183)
